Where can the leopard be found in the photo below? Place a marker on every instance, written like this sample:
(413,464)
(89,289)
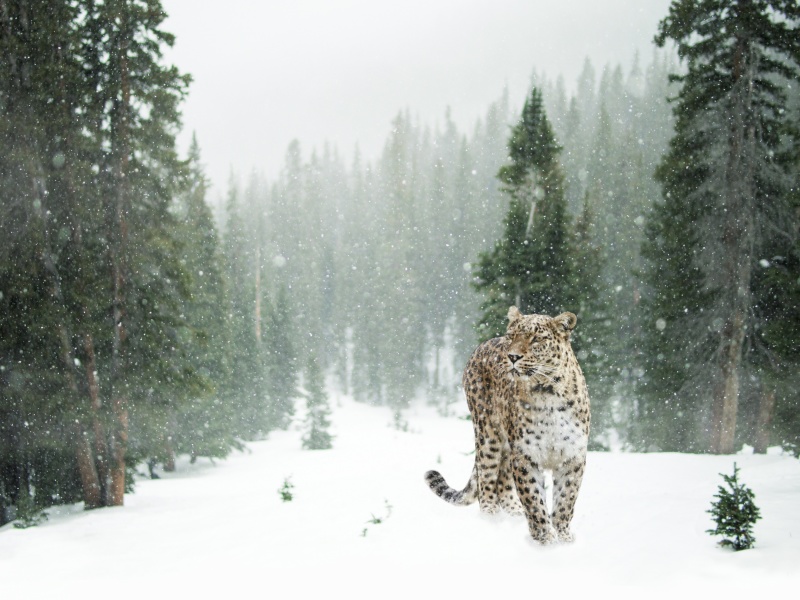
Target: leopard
(530,412)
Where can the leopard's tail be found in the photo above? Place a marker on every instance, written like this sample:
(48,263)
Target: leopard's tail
(460,498)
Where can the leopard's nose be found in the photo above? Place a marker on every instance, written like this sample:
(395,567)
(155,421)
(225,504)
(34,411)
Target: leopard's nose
(514,358)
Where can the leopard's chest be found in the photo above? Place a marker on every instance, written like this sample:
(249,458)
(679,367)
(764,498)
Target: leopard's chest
(549,430)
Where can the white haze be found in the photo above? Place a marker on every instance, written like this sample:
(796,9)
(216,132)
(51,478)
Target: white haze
(338,71)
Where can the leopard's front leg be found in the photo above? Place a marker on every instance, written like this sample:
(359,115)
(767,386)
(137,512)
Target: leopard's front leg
(529,479)
(566,484)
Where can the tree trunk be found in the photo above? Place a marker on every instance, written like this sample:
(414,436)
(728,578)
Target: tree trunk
(726,392)
(169,456)
(90,481)
(119,446)
(766,410)
(736,217)
(118,438)
(101,455)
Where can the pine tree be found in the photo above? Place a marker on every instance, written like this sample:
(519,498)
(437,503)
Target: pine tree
(317,436)
(281,360)
(89,170)
(205,424)
(248,377)
(45,203)
(667,412)
(400,331)
(590,341)
(135,108)
(725,194)
(735,513)
(285,491)
(777,302)
(531,266)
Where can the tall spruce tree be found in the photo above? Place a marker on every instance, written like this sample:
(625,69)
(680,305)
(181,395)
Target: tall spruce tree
(725,185)
(89,114)
(135,104)
(204,425)
(591,341)
(42,167)
(531,266)
(247,391)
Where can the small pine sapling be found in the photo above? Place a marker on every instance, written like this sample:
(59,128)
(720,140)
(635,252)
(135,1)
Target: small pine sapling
(285,492)
(378,520)
(735,513)
(399,422)
(791,448)
(28,513)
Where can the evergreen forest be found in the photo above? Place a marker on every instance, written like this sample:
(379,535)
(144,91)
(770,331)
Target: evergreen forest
(657,200)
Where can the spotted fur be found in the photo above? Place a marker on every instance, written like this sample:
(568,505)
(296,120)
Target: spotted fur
(530,413)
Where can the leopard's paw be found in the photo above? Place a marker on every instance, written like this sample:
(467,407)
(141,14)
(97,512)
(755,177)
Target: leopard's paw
(489,509)
(545,536)
(565,536)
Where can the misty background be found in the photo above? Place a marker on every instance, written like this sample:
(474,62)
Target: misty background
(265,73)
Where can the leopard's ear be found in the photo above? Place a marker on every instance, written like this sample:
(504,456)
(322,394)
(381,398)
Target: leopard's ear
(513,314)
(566,321)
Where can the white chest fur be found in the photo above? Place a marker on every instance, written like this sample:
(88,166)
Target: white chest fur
(552,434)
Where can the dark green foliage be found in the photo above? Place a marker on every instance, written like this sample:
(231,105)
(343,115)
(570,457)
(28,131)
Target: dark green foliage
(205,424)
(710,305)
(792,447)
(28,513)
(669,407)
(735,513)
(32,481)
(546,263)
(104,322)
(776,282)
(532,265)
(285,491)
(532,150)
(593,342)
(39,207)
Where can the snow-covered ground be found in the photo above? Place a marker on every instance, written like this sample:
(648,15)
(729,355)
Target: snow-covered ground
(222,531)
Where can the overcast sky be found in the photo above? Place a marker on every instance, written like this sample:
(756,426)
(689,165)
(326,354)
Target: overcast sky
(269,71)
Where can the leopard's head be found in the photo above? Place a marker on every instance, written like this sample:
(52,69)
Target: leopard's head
(539,345)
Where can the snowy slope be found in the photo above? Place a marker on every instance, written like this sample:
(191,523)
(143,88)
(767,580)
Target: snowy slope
(210,531)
